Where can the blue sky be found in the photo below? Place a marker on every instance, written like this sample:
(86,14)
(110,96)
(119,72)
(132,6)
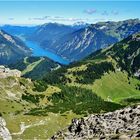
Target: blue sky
(67,12)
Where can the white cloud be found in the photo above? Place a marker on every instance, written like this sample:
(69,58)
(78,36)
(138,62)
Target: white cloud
(90,11)
(58,18)
(114,12)
(11,18)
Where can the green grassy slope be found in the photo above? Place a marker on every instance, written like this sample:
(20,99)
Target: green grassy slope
(44,112)
(109,72)
(13,108)
(102,82)
(31,66)
(35,67)
(116,87)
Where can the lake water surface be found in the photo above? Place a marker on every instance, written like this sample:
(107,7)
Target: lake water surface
(38,51)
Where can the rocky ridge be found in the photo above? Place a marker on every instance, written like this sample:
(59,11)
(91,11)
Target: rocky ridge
(6,72)
(121,124)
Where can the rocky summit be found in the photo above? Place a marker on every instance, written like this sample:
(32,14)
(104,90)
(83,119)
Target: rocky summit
(121,124)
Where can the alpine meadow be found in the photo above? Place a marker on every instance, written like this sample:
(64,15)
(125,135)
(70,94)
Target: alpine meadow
(69,70)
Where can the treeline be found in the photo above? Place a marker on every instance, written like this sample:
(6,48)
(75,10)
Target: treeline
(56,77)
(40,86)
(123,52)
(76,99)
(93,72)
(131,101)
(32,98)
(21,65)
(44,67)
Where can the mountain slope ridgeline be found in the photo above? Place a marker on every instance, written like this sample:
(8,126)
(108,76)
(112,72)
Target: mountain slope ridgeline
(11,48)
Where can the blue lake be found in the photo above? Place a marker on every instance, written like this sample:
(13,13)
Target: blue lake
(38,51)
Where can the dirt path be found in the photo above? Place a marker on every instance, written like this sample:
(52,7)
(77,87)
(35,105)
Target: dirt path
(23,127)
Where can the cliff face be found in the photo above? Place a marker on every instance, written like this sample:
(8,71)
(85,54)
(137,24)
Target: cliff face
(124,123)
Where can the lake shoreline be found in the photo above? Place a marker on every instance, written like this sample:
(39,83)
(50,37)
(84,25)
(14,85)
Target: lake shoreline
(39,51)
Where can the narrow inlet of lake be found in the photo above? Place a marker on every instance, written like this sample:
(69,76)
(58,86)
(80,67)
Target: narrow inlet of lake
(38,51)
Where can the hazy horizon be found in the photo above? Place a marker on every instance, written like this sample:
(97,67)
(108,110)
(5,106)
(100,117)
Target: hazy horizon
(63,12)
(62,23)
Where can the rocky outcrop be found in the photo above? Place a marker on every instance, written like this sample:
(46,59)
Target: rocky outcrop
(121,124)
(6,72)
(137,74)
(4,132)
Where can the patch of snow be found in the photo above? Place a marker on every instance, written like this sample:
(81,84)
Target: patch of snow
(102,27)
(137,74)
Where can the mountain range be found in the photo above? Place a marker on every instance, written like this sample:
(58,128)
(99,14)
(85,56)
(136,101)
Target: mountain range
(105,81)
(104,78)
(19,31)
(74,42)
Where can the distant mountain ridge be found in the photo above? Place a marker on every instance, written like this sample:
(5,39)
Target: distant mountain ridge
(74,42)
(80,25)
(50,32)
(20,31)
(120,29)
(66,44)
(81,43)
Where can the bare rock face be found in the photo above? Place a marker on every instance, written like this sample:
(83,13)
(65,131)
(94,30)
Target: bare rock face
(122,124)
(6,72)
(4,132)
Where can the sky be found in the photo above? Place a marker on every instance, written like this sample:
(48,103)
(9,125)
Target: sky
(66,12)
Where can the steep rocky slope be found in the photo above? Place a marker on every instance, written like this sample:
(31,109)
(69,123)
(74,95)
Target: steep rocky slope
(11,48)
(126,53)
(120,29)
(82,42)
(6,72)
(121,124)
